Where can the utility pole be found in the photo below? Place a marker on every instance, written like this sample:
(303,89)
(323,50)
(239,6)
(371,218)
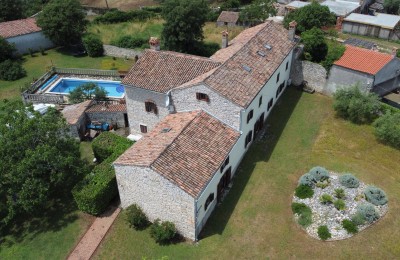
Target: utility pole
(107,4)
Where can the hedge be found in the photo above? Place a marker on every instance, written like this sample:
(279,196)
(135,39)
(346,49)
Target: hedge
(116,16)
(93,45)
(108,143)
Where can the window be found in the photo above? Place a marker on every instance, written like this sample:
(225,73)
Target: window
(226,162)
(277,78)
(280,88)
(260,101)
(249,136)
(270,103)
(202,97)
(143,129)
(287,65)
(208,201)
(249,116)
(150,106)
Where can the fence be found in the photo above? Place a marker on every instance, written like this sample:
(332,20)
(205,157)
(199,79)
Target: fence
(42,98)
(92,72)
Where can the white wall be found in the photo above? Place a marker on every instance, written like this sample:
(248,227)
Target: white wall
(33,41)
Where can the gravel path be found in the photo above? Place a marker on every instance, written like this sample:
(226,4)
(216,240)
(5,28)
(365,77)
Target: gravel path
(94,235)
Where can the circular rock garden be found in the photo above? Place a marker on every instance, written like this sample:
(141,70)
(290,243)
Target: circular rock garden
(331,207)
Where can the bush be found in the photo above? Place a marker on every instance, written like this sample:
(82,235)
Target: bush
(93,45)
(340,194)
(129,41)
(339,204)
(163,232)
(205,49)
(358,219)
(368,212)
(304,212)
(307,180)
(349,181)
(375,195)
(323,232)
(304,191)
(116,16)
(314,44)
(387,129)
(319,173)
(360,108)
(322,184)
(6,50)
(11,70)
(107,144)
(326,199)
(136,217)
(335,51)
(350,226)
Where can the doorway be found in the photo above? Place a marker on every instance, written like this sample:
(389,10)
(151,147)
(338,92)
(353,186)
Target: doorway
(224,183)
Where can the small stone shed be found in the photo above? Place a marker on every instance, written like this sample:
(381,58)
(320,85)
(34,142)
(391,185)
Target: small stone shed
(76,118)
(227,18)
(384,26)
(25,34)
(114,114)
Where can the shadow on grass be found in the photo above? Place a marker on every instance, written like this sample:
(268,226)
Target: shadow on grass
(259,151)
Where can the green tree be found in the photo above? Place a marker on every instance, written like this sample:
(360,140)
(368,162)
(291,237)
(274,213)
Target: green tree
(39,162)
(10,10)
(63,21)
(6,50)
(335,51)
(387,129)
(184,21)
(87,91)
(312,15)
(31,7)
(230,4)
(315,47)
(392,6)
(258,11)
(93,45)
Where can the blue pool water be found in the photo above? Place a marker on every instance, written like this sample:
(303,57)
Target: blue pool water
(48,82)
(113,88)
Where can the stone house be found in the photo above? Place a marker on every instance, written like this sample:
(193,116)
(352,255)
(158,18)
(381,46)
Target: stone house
(227,18)
(369,69)
(25,35)
(76,118)
(198,117)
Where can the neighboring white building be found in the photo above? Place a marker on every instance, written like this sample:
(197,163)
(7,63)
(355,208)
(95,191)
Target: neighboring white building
(25,34)
(198,117)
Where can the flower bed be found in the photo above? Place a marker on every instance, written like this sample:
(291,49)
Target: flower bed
(333,207)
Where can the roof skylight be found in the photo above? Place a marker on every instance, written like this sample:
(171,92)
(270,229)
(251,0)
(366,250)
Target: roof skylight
(268,47)
(261,53)
(246,68)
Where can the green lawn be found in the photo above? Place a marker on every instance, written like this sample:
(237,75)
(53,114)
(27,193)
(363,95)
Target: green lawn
(37,66)
(255,220)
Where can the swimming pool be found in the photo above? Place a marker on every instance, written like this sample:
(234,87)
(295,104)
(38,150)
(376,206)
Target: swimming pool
(65,85)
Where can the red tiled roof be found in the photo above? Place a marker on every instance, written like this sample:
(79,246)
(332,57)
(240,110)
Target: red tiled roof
(363,60)
(99,108)
(189,154)
(72,113)
(161,71)
(18,27)
(228,17)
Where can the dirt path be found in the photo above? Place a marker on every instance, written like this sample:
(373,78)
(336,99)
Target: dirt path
(94,235)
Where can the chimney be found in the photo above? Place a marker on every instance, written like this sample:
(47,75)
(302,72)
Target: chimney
(292,30)
(154,43)
(224,39)
(394,52)
(375,47)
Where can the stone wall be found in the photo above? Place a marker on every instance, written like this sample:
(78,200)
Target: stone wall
(340,77)
(115,51)
(158,197)
(313,73)
(111,118)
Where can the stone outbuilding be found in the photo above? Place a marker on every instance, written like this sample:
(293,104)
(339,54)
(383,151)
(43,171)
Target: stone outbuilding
(76,118)
(369,69)
(113,114)
(227,18)
(25,34)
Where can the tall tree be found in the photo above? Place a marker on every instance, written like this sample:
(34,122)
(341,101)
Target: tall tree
(11,10)
(6,50)
(63,21)
(392,6)
(87,91)
(38,161)
(258,11)
(315,47)
(184,21)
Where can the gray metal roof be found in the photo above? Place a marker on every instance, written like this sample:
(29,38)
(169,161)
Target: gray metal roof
(359,43)
(297,4)
(386,21)
(341,8)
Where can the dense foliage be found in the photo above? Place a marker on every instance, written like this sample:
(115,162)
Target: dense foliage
(356,106)
(11,10)
(315,47)
(335,51)
(117,16)
(108,143)
(258,11)
(130,41)
(368,212)
(310,16)
(184,21)
(319,173)
(304,191)
(304,212)
(11,70)
(349,180)
(63,21)
(163,232)
(87,91)
(350,226)
(39,161)
(339,193)
(6,50)
(323,232)
(387,129)
(136,217)
(326,199)
(392,6)
(93,45)
(375,195)
(339,204)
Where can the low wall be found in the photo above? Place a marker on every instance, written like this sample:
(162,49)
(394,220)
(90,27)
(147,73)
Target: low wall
(115,51)
(311,72)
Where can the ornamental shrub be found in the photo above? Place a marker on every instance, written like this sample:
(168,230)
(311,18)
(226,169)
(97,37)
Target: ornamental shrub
(319,173)
(304,191)
(322,184)
(323,232)
(358,219)
(375,195)
(307,180)
(339,204)
(326,199)
(130,41)
(11,70)
(368,212)
(340,194)
(136,217)
(350,226)
(163,232)
(304,212)
(387,129)
(349,181)
(108,143)
(93,45)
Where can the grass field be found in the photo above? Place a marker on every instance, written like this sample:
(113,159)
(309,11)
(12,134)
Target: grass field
(37,66)
(255,220)
(120,4)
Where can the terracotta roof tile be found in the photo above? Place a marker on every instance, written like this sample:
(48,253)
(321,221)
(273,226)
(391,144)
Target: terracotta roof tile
(98,108)
(18,27)
(72,113)
(363,60)
(190,155)
(228,17)
(161,71)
